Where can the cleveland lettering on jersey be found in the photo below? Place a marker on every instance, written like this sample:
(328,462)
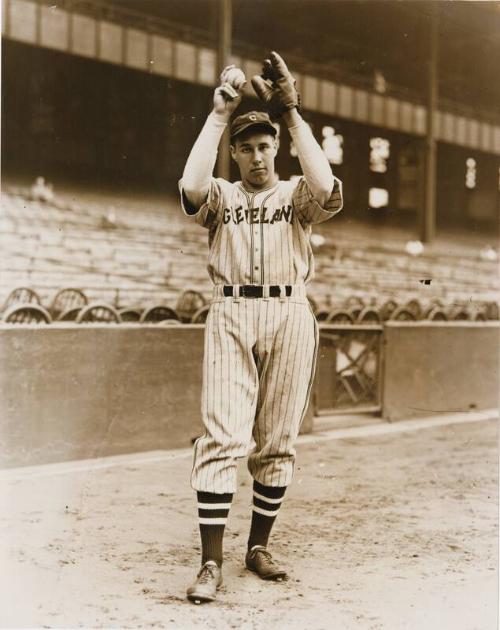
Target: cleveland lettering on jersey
(258,215)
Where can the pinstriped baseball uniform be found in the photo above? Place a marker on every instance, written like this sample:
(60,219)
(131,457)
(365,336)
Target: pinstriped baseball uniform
(260,353)
(262,237)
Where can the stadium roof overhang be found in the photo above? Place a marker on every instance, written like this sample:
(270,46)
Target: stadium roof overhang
(352,39)
(118,32)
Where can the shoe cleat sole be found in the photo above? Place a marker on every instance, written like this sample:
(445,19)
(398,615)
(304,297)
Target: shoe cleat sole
(275,577)
(280,577)
(196,599)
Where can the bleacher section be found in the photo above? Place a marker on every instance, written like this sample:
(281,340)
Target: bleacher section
(128,256)
(140,259)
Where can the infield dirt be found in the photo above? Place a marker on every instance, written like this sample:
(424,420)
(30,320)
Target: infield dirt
(392,532)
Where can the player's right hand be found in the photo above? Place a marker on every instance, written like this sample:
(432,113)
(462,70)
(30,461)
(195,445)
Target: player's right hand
(228,94)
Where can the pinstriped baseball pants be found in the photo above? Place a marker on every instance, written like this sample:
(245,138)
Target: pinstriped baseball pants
(259,362)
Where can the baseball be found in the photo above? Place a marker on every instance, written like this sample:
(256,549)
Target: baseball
(235,77)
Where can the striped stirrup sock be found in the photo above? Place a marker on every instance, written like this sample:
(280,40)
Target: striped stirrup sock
(213,510)
(266,504)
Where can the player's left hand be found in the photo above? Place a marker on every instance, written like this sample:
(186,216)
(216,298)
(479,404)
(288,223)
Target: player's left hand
(276,86)
(228,95)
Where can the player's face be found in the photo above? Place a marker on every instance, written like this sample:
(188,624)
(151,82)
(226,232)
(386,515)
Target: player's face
(255,158)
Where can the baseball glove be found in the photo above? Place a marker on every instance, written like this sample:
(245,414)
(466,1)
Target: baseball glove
(276,86)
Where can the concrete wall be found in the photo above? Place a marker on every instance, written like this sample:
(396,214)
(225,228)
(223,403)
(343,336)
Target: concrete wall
(81,391)
(71,392)
(434,367)
(76,392)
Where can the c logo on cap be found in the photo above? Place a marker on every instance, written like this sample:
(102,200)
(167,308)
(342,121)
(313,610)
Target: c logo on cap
(253,117)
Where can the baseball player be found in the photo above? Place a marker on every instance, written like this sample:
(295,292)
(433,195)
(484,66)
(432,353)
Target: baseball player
(261,335)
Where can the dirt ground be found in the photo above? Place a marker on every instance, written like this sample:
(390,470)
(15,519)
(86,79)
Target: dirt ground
(392,532)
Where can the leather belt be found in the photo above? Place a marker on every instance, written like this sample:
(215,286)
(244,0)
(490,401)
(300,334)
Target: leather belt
(256,291)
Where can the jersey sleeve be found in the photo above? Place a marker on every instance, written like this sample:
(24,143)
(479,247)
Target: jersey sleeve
(309,210)
(209,212)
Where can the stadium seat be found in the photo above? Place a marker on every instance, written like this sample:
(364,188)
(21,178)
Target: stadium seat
(200,316)
(434,313)
(491,309)
(26,314)
(322,315)
(67,299)
(368,316)
(340,316)
(188,304)
(21,295)
(157,314)
(70,314)
(130,314)
(436,303)
(480,316)
(402,314)
(387,309)
(98,312)
(414,307)
(459,314)
(354,302)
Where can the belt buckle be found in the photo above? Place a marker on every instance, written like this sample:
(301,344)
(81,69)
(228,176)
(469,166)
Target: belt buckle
(246,291)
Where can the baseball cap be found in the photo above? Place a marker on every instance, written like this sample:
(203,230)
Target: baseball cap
(252,119)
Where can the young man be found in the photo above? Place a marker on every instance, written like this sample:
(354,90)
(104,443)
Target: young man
(261,336)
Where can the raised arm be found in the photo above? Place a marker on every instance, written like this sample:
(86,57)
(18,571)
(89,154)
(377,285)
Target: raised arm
(200,164)
(313,161)
(318,196)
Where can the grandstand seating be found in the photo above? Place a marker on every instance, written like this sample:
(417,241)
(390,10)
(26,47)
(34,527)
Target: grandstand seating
(158,314)
(130,314)
(27,313)
(69,315)
(98,312)
(340,316)
(189,305)
(24,311)
(143,259)
(200,316)
(21,295)
(66,301)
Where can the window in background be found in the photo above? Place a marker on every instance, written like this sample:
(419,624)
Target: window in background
(470,173)
(332,145)
(379,154)
(378,197)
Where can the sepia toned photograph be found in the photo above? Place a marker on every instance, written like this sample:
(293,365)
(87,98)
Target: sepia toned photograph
(249,314)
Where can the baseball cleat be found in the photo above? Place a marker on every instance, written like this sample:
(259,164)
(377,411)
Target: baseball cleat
(208,580)
(260,561)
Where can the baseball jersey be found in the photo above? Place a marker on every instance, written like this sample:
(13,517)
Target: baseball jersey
(261,237)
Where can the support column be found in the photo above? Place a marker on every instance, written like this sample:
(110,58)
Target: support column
(428,211)
(223,53)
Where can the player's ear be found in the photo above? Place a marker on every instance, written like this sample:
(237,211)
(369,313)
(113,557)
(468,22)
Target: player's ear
(232,150)
(276,142)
